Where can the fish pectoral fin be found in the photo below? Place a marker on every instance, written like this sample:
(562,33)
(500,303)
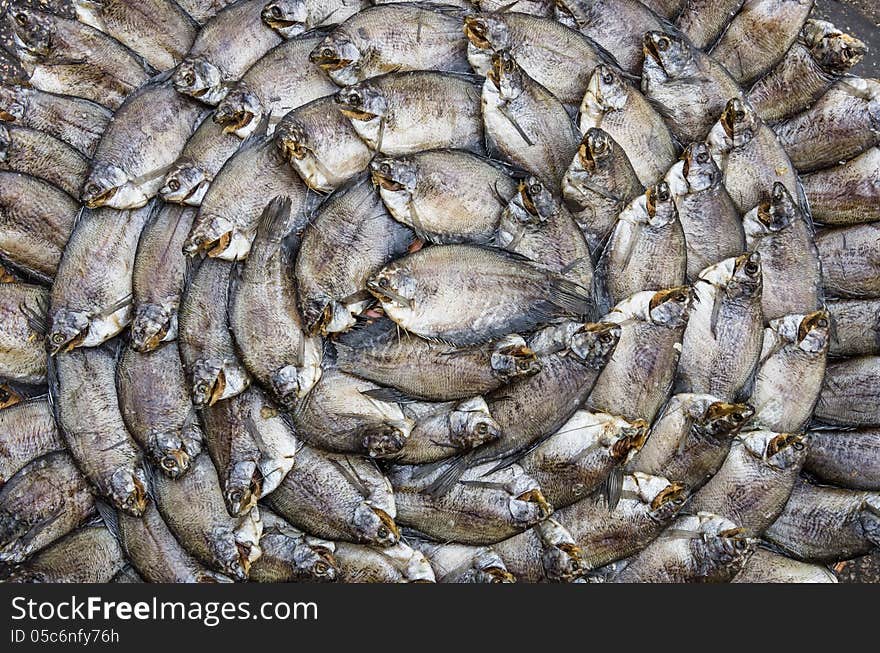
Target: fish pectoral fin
(389,395)
(613,488)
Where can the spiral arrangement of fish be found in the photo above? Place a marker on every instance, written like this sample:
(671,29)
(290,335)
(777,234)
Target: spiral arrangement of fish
(356,291)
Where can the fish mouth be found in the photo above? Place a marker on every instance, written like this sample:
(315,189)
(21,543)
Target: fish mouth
(5,116)
(585,156)
(100,198)
(292,150)
(633,440)
(175,462)
(475,30)
(216,247)
(244,558)
(393,532)
(385,183)
(537,497)
(235,120)
(357,114)
(239,501)
(67,346)
(782,442)
(671,493)
(136,502)
(497,575)
(8,397)
(815,320)
(385,295)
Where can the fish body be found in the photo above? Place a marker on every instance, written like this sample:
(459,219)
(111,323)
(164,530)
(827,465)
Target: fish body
(850,259)
(845,457)
(849,392)
(39,154)
(27,432)
(22,338)
(847,193)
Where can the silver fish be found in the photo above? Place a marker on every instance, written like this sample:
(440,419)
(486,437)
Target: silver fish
(722,342)
(201,159)
(845,457)
(158,30)
(145,136)
(849,394)
(27,432)
(402,113)
(349,239)
(792,278)
(691,438)
(263,314)
(206,346)
(599,183)
(638,379)
(226,46)
(825,524)
(37,219)
(156,408)
(393,38)
(712,225)
(446,196)
(613,105)
(749,156)
(645,251)
(703,21)
(203,10)
(766,566)
(847,193)
(338,497)
(820,56)
(91,298)
(463,563)
(22,332)
(84,396)
(525,124)
(289,555)
(78,122)
(64,56)
(795,347)
(753,484)
(840,125)
(36,153)
(42,502)
(850,260)
(159,275)
(687,87)
(545,553)
(430,294)
(319,142)
(394,564)
(701,548)
(280,81)
(290,18)
(759,36)
(856,327)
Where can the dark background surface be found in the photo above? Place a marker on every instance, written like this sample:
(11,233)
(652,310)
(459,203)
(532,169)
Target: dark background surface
(861,18)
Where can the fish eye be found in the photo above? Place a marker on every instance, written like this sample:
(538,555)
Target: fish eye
(740,545)
(600,146)
(607,77)
(522,364)
(663,44)
(189,78)
(482,429)
(354,98)
(739,115)
(21,18)
(382,532)
(680,297)
(663,192)
(235,495)
(58,338)
(605,337)
(385,168)
(703,157)
(174,185)
(822,323)
(383,282)
(736,417)
(169,463)
(320,568)
(752,268)
(327,52)
(275,10)
(535,188)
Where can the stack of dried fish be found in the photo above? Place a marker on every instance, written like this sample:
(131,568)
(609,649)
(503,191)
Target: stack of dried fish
(340,290)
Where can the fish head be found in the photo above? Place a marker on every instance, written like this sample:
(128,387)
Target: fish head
(339,56)
(289,383)
(488,568)
(394,285)
(471,425)
(606,90)
(375,526)
(394,175)
(596,151)
(526,503)
(242,487)
(288,18)
(663,497)
(772,215)
(152,325)
(746,279)
(631,437)
(68,331)
(292,140)
(660,205)
(200,79)
(173,451)
(528,210)
(387,439)
(594,343)
(186,183)
(315,560)
(239,112)
(208,382)
(506,75)
(512,359)
(8,396)
(699,168)
(13,102)
(739,121)
(105,186)
(723,421)
(777,450)
(362,102)
(561,557)
(485,31)
(128,491)
(34,32)
(217,237)
(869,518)
(670,307)
(669,55)
(814,332)
(835,51)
